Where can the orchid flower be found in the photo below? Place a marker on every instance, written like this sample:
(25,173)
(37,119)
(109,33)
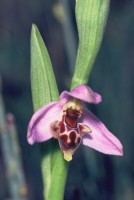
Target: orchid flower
(69,121)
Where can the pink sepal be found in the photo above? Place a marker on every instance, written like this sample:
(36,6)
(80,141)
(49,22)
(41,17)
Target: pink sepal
(100,139)
(83,93)
(39,126)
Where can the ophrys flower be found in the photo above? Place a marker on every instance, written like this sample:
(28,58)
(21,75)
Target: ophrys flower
(69,121)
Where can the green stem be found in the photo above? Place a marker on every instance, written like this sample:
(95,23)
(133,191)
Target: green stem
(59,175)
(54,177)
(46,162)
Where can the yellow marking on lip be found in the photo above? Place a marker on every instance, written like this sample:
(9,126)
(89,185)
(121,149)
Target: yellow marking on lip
(67,156)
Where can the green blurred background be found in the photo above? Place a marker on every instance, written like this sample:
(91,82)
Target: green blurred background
(92,175)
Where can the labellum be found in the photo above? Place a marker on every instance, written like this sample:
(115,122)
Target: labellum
(68,131)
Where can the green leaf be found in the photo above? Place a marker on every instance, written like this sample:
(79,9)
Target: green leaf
(91,16)
(44,90)
(44,87)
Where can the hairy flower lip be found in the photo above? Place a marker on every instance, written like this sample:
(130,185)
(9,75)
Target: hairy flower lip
(100,138)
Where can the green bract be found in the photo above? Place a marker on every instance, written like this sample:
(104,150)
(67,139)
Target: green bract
(91,18)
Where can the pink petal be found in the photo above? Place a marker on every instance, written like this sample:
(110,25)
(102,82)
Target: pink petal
(39,129)
(83,93)
(100,139)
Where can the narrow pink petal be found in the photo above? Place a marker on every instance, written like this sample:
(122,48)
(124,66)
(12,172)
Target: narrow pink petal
(83,93)
(100,139)
(39,129)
